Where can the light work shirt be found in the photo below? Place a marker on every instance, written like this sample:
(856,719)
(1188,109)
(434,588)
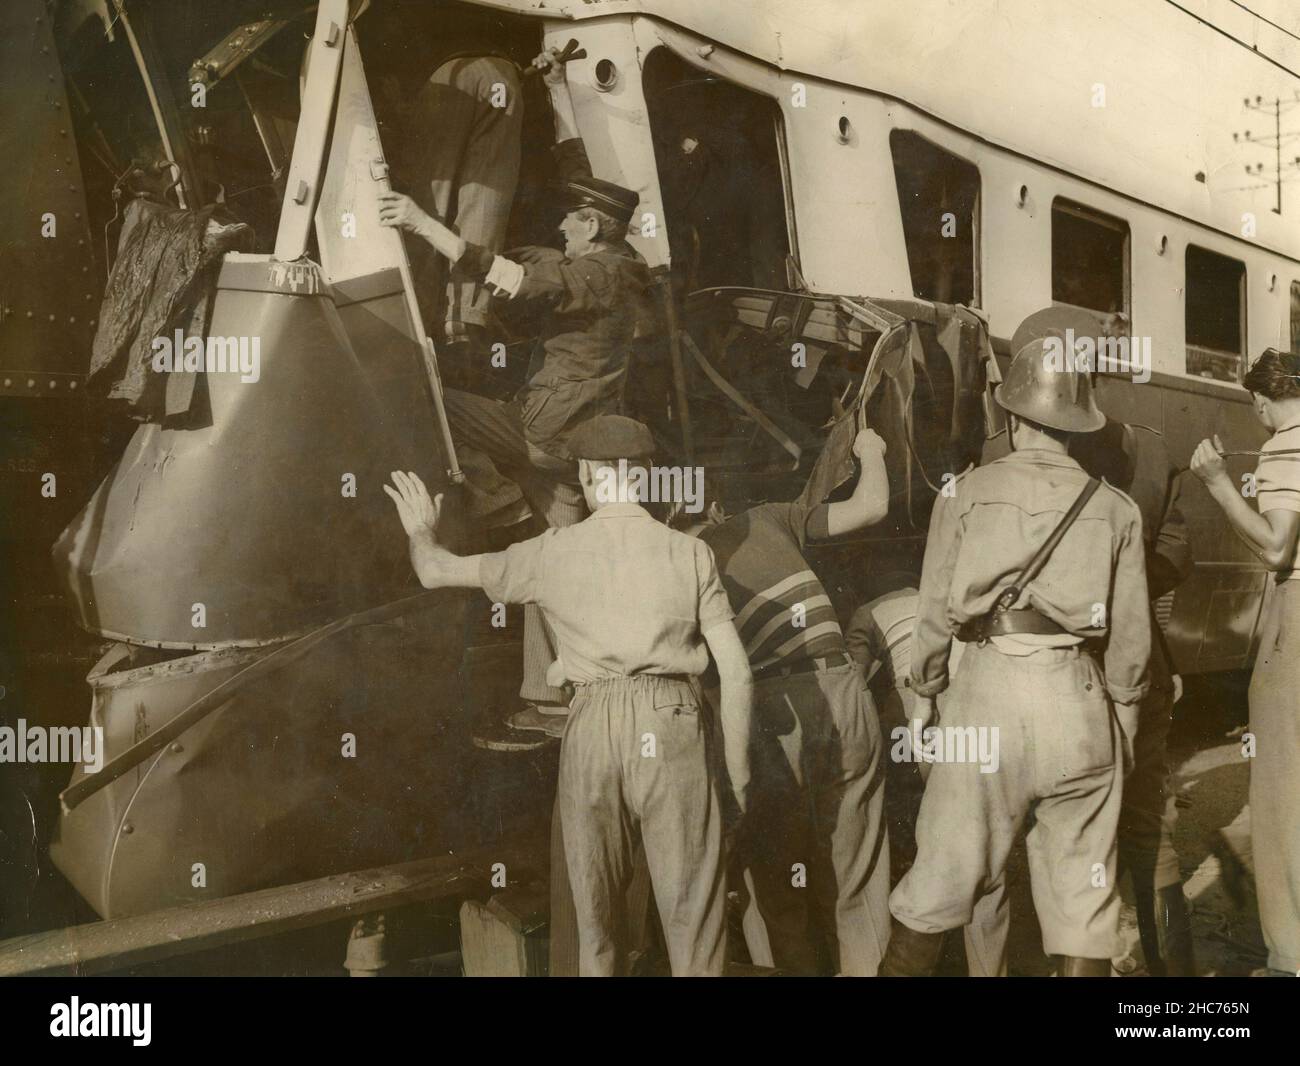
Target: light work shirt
(1094,584)
(623,593)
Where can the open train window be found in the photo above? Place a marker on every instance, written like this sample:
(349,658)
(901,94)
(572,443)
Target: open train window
(1215,315)
(718,150)
(1090,259)
(1295,316)
(938,194)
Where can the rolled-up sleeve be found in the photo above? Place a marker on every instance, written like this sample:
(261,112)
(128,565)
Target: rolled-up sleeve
(932,638)
(1128,648)
(515,575)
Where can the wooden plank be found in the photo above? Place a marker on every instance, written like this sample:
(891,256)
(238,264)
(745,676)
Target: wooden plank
(121,942)
(507,936)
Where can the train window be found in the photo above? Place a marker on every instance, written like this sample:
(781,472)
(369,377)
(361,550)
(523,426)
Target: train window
(1295,316)
(718,150)
(938,194)
(1215,315)
(1089,258)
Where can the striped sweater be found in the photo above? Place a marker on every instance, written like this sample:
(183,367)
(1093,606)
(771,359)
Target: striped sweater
(782,611)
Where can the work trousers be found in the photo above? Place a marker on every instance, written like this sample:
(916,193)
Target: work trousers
(1145,838)
(469,116)
(1275,778)
(636,762)
(1059,760)
(548,483)
(818,848)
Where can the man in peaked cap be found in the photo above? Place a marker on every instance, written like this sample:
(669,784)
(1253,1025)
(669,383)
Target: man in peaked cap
(1031,614)
(597,291)
(636,609)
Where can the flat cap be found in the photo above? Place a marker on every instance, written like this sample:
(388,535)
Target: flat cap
(603,195)
(611,437)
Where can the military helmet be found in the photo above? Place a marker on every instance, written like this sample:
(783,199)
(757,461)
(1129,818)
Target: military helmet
(1045,386)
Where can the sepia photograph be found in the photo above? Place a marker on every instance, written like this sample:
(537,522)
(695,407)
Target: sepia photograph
(645,488)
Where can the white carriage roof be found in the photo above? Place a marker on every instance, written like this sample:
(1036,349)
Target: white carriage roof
(1023,74)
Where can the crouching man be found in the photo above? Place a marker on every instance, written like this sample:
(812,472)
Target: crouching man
(815,856)
(636,609)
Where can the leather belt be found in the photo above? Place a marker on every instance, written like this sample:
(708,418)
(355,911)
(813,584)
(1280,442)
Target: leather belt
(1004,623)
(803,666)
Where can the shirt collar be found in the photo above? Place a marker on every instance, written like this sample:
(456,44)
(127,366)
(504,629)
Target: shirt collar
(1293,424)
(1041,456)
(622,510)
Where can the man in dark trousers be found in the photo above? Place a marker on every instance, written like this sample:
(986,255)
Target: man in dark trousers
(637,610)
(1028,686)
(1135,460)
(596,291)
(815,853)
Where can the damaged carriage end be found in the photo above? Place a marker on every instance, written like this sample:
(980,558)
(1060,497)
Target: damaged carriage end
(211,547)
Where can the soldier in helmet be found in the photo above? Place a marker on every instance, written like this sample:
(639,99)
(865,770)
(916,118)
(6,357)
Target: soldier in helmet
(1134,459)
(1037,566)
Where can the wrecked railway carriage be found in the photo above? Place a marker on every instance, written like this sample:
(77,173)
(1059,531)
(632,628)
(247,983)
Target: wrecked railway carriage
(259,610)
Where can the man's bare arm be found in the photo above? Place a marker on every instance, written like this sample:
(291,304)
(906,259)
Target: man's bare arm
(736,704)
(870,500)
(434,565)
(1271,535)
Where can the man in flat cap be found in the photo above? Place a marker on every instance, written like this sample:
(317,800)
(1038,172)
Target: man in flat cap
(636,609)
(597,292)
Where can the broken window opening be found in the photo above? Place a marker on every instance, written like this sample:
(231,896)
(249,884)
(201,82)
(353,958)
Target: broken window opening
(938,195)
(718,153)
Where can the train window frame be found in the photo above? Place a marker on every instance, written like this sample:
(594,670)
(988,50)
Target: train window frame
(1243,317)
(976,210)
(1064,205)
(1294,333)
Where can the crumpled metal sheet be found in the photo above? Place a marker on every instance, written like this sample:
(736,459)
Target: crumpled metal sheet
(923,393)
(245,513)
(261,792)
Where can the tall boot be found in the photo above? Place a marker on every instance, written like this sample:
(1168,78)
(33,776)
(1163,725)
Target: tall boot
(1174,926)
(1149,927)
(1072,966)
(910,954)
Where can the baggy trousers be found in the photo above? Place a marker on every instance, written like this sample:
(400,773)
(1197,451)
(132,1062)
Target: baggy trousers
(550,485)
(470,117)
(820,844)
(1058,745)
(636,762)
(1146,837)
(1275,778)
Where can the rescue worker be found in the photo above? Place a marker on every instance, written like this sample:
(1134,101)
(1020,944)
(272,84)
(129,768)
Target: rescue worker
(1027,561)
(817,844)
(1133,459)
(1271,533)
(596,291)
(637,609)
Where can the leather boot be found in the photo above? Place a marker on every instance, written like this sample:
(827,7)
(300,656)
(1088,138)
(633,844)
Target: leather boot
(910,954)
(1144,898)
(1072,966)
(1174,926)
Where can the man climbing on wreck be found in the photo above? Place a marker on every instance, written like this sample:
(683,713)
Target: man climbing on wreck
(597,290)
